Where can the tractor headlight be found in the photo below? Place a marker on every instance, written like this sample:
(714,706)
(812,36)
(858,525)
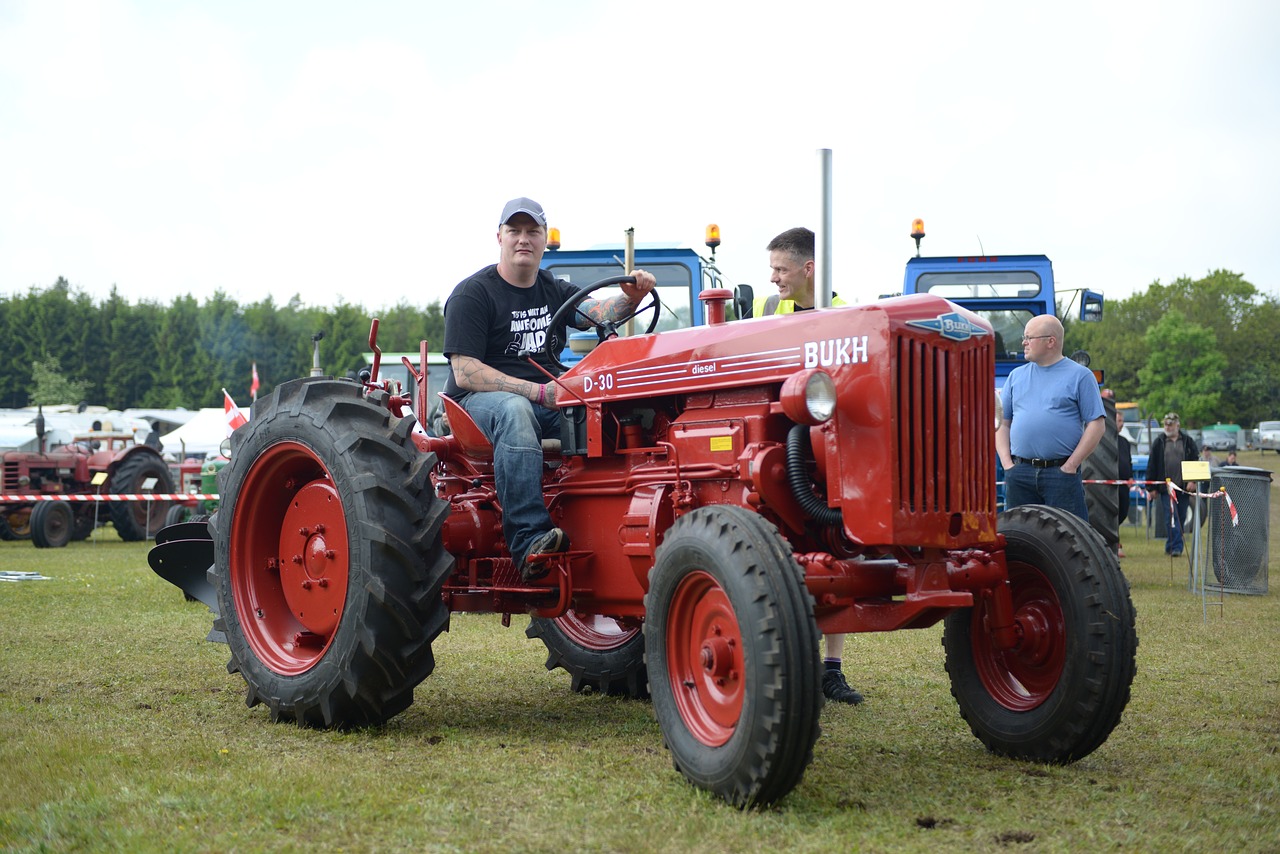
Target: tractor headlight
(809,397)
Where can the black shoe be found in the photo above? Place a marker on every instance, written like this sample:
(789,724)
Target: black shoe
(834,687)
(1175,554)
(534,565)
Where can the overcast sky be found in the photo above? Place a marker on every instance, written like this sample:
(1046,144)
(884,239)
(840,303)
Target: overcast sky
(362,151)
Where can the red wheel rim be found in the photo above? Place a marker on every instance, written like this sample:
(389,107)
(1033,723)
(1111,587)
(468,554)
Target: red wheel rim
(289,561)
(1022,678)
(705,664)
(593,631)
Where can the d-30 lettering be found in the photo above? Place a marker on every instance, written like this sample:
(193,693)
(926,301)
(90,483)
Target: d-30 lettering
(835,351)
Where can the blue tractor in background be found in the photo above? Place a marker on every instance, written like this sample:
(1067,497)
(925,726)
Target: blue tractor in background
(681,273)
(1009,290)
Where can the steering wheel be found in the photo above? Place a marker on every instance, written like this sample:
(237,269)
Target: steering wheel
(606,330)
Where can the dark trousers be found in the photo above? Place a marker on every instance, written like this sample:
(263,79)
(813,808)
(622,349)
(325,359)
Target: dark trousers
(1173,539)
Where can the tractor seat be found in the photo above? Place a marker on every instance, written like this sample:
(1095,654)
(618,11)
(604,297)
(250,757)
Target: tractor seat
(472,439)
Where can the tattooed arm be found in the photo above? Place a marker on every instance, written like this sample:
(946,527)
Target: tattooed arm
(616,308)
(474,375)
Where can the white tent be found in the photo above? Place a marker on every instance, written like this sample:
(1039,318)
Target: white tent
(203,434)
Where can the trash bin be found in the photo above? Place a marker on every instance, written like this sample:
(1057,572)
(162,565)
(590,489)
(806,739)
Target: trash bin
(1240,552)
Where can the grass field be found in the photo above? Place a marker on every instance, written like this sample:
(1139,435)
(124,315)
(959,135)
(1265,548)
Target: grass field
(120,729)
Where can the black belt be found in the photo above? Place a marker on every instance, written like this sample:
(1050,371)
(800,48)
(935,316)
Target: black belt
(1041,464)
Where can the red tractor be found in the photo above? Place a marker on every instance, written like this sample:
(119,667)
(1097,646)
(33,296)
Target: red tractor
(730,491)
(95,462)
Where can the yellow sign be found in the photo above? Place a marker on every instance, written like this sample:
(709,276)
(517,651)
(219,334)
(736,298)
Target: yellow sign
(99,478)
(1195,469)
(722,443)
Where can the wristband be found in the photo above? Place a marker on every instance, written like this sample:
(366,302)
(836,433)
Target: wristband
(542,395)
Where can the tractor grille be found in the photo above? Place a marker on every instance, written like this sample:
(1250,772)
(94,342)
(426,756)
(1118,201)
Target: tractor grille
(946,439)
(11,473)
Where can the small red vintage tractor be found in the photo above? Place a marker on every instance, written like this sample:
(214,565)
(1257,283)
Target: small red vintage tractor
(730,491)
(97,462)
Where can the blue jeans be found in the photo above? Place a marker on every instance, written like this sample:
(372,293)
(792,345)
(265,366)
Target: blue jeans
(516,427)
(1173,539)
(1026,484)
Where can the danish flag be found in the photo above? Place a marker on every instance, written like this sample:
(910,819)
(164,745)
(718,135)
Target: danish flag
(253,386)
(235,418)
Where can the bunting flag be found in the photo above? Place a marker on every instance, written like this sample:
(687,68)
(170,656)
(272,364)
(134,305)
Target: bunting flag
(253,387)
(235,418)
(1231,506)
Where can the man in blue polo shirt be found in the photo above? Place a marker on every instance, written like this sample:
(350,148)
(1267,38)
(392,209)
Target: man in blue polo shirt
(1053,419)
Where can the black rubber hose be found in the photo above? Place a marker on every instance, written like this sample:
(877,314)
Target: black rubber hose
(799,453)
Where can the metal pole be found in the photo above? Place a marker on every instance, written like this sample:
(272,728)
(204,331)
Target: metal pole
(316,370)
(629,264)
(822,242)
(1197,580)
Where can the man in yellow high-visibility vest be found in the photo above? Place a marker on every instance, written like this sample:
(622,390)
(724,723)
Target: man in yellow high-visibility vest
(791,262)
(791,266)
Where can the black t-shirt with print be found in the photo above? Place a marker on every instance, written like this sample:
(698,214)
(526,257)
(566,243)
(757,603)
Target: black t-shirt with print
(492,320)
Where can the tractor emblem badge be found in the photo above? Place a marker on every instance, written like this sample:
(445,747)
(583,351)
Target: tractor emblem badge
(951,326)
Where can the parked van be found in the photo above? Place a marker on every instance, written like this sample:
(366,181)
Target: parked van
(1269,436)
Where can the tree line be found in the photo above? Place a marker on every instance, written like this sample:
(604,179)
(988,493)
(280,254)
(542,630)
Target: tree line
(151,355)
(1204,348)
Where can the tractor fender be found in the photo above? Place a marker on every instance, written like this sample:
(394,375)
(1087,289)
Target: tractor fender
(111,461)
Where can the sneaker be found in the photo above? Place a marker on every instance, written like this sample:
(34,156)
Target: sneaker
(535,565)
(835,687)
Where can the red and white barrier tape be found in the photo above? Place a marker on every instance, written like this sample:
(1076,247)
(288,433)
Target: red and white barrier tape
(145,496)
(1221,493)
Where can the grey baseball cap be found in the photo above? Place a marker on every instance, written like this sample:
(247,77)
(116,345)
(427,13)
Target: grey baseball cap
(524,206)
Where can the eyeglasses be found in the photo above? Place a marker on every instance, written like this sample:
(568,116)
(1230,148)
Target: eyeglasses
(1026,338)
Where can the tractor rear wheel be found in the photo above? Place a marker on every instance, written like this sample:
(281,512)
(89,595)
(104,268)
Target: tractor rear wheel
(328,556)
(51,524)
(732,652)
(600,653)
(1103,501)
(1060,691)
(139,520)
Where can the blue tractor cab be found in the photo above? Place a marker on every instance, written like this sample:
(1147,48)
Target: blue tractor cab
(1007,290)
(681,273)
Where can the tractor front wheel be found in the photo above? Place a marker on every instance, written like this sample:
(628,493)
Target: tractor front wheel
(600,653)
(328,557)
(51,523)
(732,651)
(1058,693)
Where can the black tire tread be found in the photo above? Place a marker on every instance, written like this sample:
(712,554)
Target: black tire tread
(786,726)
(619,671)
(1088,703)
(51,524)
(130,521)
(1103,502)
(394,526)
